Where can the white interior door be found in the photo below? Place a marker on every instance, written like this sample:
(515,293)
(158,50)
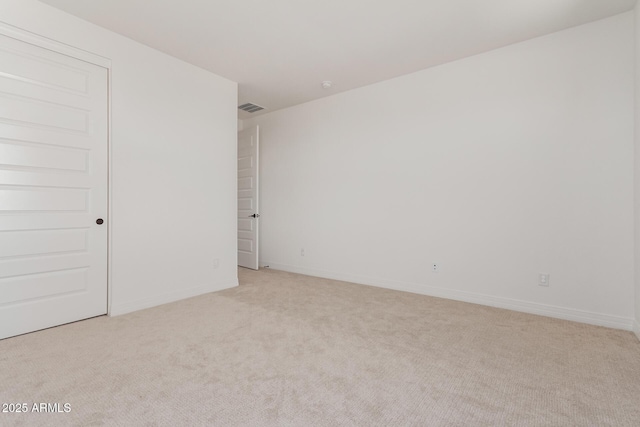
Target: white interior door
(248,216)
(53,188)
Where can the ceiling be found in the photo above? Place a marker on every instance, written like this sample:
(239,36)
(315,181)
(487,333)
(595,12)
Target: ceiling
(279,51)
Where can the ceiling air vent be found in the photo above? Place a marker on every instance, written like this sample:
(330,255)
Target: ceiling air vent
(250,108)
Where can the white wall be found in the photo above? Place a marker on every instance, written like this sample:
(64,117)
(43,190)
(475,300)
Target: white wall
(637,174)
(173,162)
(500,166)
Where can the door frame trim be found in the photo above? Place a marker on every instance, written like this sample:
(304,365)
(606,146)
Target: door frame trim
(83,55)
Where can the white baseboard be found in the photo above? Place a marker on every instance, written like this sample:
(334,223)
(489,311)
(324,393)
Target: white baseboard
(492,301)
(128,307)
(636,328)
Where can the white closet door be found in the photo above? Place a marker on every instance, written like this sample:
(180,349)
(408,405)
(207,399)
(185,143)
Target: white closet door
(53,188)
(248,216)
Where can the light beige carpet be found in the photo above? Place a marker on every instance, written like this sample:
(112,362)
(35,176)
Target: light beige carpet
(290,350)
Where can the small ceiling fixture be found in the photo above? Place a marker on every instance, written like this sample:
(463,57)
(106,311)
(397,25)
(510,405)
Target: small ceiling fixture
(326,84)
(250,108)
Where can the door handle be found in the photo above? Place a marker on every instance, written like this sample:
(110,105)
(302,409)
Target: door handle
(99,221)
(254,216)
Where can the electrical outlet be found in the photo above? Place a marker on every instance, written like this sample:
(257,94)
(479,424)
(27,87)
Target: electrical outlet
(216,263)
(302,252)
(435,267)
(543,280)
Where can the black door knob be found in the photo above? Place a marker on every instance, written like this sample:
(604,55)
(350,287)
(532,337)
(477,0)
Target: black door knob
(99,221)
